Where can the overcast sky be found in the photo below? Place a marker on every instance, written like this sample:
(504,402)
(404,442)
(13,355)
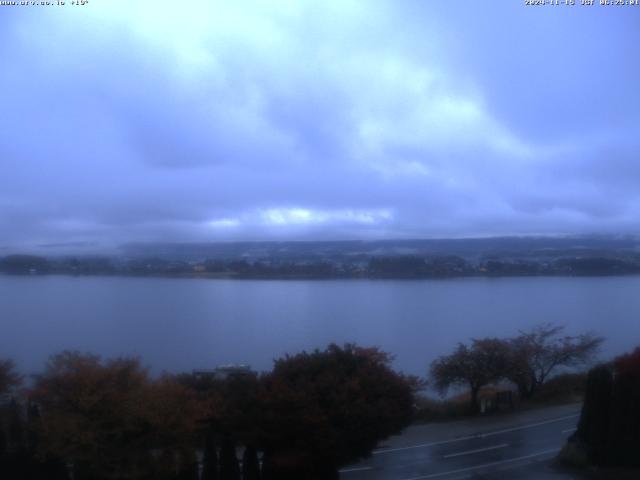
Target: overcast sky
(221,120)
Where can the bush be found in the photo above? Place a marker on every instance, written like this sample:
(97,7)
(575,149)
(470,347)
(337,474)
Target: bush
(331,407)
(572,455)
(566,387)
(609,427)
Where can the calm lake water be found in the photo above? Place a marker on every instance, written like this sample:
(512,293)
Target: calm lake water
(180,324)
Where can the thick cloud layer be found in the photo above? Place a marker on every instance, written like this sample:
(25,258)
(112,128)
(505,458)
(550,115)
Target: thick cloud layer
(216,120)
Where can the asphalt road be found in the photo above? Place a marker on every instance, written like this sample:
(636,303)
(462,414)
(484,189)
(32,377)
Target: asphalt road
(502,447)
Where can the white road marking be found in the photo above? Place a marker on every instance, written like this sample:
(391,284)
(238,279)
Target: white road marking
(569,430)
(423,445)
(477,450)
(471,437)
(355,469)
(484,465)
(531,425)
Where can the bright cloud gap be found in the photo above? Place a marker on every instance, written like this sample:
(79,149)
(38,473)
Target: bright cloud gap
(283,217)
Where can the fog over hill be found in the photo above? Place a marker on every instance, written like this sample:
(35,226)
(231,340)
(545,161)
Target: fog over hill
(471,249)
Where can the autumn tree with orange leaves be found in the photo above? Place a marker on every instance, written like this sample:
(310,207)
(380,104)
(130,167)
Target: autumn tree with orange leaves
(109,419)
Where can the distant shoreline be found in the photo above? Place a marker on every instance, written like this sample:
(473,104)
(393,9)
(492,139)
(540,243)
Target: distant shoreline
(237,277)
(322,261)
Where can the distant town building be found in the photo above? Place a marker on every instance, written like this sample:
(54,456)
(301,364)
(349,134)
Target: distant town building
(223,372)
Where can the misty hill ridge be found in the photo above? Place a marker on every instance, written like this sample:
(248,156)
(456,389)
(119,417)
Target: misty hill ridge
(471,249)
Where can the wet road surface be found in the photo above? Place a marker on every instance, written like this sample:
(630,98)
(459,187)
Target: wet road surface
(516,446)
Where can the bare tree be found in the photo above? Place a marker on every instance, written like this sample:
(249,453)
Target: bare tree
(536,353)
(475,366)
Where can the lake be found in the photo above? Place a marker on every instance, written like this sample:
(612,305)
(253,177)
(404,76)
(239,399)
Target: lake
(181,324)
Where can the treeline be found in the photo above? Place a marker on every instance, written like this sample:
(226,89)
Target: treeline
(526,360)
(402,267)
(87,418)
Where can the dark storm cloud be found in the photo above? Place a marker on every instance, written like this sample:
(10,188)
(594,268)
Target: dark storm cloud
(333,120)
